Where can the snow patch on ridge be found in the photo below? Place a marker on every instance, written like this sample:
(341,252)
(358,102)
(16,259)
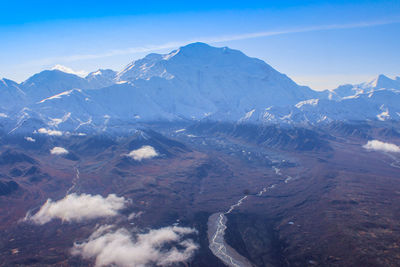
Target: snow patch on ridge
(97,73)
(247,116)
(384,115)
(66,93)
(56,121)
(171,55)
(311,102)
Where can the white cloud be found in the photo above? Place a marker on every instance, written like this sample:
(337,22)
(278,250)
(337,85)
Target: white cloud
(29,139)
(135,215)
(381,146)
(49,132)
(65,69)
(145,152)
(76,208)
(58,151)
(3,115)
(162,247)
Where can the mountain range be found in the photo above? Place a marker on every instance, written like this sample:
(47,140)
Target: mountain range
(194,82)
(202,156)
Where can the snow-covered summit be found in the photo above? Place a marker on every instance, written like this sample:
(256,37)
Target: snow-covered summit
(201,73)
(152,65)
(11,95)
(51,82)
(193,82)
(380,82)
(383,82)
(101,78)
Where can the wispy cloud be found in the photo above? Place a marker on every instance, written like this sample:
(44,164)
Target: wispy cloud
(210,40)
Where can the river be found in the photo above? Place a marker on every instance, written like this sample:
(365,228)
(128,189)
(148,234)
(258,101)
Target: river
(217,226)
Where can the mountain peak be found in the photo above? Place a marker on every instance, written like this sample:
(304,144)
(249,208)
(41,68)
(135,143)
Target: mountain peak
(7,82)
(101,78)
(199,49)
(192,58)
(382,81)
(51,82)
(50,74)
(189,50)
(99,72)
(197,46)
(382,77)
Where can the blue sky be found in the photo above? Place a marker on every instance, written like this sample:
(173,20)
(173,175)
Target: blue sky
(317,43)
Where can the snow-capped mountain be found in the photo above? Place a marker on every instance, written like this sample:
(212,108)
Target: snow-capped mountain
(194,82)
(11,95)
(101,78)
(377,99)
(378,83)
(221,78)
(51,82)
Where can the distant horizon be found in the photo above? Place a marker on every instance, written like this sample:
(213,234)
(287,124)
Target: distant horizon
(320,44)
(301,80)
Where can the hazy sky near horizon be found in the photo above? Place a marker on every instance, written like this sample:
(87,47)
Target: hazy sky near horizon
(321,44)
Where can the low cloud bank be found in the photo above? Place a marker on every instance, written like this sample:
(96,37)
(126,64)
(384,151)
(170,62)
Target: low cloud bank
(145,152)
(77,208)
(49,132)
(58,151)
(118,247)
(381,146)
